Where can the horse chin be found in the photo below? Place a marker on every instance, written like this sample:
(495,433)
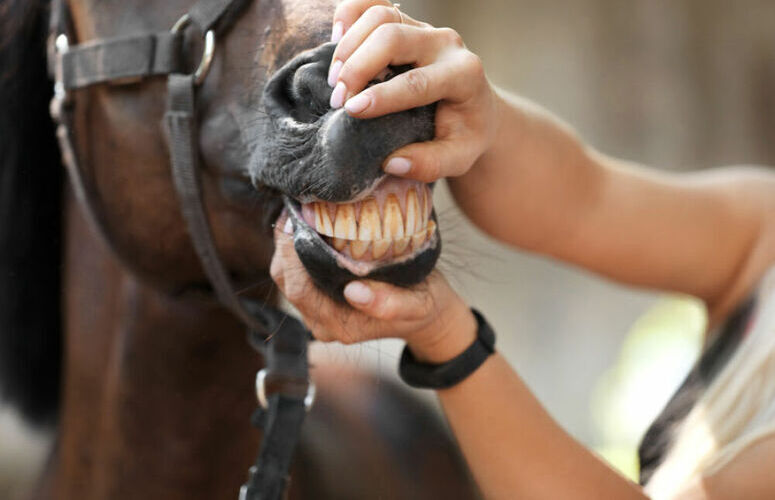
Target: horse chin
(388,233)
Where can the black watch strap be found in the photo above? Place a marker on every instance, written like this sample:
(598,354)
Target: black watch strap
(444,375)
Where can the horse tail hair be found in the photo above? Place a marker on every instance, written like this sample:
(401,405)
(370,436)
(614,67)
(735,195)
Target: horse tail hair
(30,218)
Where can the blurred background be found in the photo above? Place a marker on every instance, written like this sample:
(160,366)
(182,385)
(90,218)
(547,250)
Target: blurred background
(674,84)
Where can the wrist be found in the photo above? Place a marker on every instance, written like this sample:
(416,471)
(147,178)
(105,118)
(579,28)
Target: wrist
(446,338)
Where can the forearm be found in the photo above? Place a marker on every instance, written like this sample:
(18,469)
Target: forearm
(515,449)
(703,233)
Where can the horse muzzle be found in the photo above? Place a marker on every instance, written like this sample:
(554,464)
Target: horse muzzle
(350,219)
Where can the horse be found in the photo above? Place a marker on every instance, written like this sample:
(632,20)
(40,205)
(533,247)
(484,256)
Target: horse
(109,330)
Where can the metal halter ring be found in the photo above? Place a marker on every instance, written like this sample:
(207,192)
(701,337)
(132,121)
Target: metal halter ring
(207,55)
(309,399)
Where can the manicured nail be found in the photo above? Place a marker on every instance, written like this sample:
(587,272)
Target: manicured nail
(337,32)
(288,228)
(398,166)
(358,103)
(338,95)
(358,293)
(333,73)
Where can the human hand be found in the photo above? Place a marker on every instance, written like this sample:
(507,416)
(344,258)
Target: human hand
(432,319)
(372,35)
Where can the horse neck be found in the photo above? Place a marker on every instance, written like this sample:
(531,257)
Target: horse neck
(153,384)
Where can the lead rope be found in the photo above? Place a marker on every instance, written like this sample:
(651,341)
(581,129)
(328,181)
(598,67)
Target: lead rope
(280,338)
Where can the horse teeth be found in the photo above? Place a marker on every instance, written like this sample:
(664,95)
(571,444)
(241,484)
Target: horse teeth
(380,248)
(323,223)
(345,226)
(370,227)
(358,248)
(394,222)
(426,194)
(412,212)
(419,238)
(339,243)
(400,245)
(431,229)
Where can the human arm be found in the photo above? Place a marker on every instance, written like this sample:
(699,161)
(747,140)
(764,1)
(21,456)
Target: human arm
(709,233)
(525,178)
(513,447)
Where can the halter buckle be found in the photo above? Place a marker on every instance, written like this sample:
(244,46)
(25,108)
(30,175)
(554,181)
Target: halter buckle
(309,399)
(209,50)
(61,96)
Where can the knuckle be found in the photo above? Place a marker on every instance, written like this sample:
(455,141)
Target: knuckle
(417,81)
(431,167)
(380,14)
(451,36)
(473,64)
(388,34)
(385,313)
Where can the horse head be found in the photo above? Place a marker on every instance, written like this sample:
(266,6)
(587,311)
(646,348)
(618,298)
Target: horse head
(266,133)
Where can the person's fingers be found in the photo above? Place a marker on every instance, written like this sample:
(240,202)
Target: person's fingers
(388,302)
(372,19)
(455,79)
(348,12)
(430,161)
(390,44)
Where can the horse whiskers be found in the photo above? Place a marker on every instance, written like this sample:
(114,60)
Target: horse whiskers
(252,286)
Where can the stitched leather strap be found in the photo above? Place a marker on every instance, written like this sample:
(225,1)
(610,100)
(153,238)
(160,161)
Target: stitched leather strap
(119,60)
(445,375)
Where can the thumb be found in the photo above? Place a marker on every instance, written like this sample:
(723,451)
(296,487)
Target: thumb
(429,161)
(388,302)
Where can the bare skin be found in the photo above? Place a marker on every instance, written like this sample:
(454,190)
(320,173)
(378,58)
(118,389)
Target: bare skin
(709,234)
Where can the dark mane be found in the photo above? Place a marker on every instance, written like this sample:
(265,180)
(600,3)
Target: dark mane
(30,217)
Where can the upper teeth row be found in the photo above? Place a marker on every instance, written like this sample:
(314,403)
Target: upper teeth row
(392,226)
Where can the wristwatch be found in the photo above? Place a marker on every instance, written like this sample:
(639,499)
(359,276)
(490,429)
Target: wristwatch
(445,375)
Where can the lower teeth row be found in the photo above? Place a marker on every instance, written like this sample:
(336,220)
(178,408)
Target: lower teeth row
(358,249)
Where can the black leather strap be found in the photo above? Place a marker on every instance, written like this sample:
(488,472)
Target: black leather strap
(286,357)
(120,60)
(445,375)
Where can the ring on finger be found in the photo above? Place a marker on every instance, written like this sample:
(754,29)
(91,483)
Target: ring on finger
(398,11)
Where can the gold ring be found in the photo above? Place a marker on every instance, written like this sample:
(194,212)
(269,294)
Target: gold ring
(400,14)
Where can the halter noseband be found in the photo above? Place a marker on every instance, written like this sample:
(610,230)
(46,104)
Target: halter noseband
(281,338)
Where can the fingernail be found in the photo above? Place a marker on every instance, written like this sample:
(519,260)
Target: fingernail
(338,95)
(358,293)
(358,103)
(337,32)
(333,73)
(398,166)
(288,228)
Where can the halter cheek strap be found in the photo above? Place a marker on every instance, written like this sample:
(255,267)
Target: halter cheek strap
(281,338)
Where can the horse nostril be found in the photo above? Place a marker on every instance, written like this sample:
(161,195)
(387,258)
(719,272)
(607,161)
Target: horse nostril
(326,154)
(300,89)
(310,92)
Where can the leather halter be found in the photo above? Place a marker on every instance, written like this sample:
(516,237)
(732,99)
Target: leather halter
(281,338)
